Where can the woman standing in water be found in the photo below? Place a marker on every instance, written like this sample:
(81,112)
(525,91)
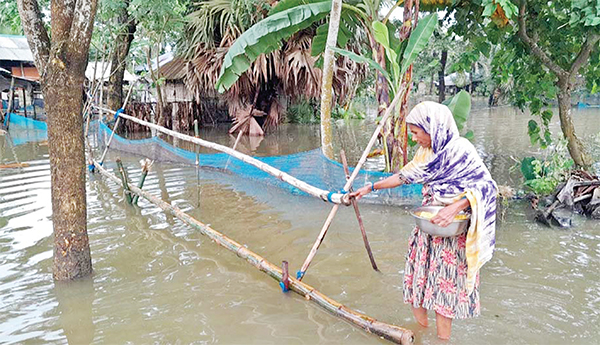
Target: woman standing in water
(442,273)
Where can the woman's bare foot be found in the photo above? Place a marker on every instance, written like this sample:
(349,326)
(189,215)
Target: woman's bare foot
(421,316)
(444,326)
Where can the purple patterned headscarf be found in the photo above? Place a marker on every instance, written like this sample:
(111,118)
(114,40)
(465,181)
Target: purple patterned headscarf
(452,169)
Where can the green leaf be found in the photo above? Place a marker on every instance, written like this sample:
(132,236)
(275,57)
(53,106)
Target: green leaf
(320,39)
(489,9)
(527,168)
(418,40)
(361,59)
(264,37)
(460,106)
(469,135)
(380,32)
(382,36)
(287,4)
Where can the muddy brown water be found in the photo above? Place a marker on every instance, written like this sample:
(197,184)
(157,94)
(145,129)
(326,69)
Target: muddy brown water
(158,281)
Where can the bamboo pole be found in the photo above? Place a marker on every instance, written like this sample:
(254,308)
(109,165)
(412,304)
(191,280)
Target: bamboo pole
(125,181)
(336,198)
(146,164)
(390,332)
(327,80)
(363,158)
(112,134)
(358,216)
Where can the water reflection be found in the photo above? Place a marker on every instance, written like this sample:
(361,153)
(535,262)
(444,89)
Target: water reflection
(75,300)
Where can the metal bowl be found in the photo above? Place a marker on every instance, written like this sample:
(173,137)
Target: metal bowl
(457,227)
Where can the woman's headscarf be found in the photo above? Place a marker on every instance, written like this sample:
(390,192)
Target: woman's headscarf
(452,169)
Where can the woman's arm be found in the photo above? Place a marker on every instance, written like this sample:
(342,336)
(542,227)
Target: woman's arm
(447,214)
(389,182)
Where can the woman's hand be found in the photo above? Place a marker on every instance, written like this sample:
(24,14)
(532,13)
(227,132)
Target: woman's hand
(359,193)
(446,215)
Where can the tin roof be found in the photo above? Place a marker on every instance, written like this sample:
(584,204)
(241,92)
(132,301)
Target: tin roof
(15,48)
(104,67)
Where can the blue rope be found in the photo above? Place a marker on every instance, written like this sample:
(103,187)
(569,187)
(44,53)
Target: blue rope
(283,288)
(299,275)
(92,167)
(329,196)
(332,193)
(119,111)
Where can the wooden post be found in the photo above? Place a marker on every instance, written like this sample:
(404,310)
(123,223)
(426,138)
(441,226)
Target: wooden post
(24,102)
(125,180)
(175,121)
(10,103)
(358,216)
(392,333)
(33,104)
(285,277)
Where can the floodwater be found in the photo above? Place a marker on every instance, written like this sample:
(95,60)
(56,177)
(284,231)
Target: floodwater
(158,281)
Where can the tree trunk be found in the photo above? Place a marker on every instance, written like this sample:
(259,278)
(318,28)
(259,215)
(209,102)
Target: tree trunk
(327,83)
(155,77)
(441,75)
(119,56)
(63,92)
(575,146)
(62,64)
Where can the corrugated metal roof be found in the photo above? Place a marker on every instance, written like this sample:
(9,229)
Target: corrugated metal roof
(174,69)
(89,71)
(15,48)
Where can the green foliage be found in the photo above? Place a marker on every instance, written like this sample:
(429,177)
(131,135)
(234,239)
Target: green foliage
(419,38)
(10,22)
(542,176)
(347,113)
(585,12)
(460,106)
(397,54)
(302,111)
(265,37)
(361,59)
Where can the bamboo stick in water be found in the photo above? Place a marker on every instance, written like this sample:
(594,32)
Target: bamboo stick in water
(390,332)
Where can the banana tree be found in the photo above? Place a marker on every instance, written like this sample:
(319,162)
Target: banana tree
(399,57)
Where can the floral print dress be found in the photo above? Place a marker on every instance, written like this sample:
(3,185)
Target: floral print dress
(435,274)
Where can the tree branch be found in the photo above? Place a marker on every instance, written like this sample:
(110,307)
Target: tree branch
(584,53)
(61,13)
(36,33)
(81,31)
(534,48)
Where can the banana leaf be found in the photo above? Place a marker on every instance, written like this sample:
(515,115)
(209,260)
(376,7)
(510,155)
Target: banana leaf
(418,40)
(460,106)
(264,37)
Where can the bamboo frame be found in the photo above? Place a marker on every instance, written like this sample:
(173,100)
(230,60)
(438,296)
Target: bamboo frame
(363,159)
(370,325)
(336,198)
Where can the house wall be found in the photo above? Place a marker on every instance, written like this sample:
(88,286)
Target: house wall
(176,92)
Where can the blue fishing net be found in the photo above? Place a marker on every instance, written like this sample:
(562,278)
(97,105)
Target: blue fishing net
(311,167)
